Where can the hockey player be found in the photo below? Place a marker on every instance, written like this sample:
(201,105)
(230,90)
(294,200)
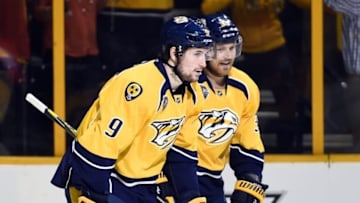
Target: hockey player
(124,138)
(227,126)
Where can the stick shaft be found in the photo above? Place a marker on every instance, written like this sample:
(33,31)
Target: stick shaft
(50,114)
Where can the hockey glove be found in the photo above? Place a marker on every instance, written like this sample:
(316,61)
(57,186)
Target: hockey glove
(248,191)
(164,194)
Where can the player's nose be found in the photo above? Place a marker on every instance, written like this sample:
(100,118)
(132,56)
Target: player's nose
(203,63)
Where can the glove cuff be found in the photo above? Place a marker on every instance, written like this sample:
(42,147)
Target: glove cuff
(254,189)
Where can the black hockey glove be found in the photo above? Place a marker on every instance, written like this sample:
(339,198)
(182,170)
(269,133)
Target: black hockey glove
(164,192)
(248,190)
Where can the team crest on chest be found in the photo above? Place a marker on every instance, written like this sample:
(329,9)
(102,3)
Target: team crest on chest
(218,126)
(132,91)
(166,132)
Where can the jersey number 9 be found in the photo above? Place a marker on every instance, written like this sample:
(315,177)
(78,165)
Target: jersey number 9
(114,127)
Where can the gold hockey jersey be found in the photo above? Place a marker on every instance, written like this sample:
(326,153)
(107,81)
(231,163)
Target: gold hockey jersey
(227,121)
(136,120)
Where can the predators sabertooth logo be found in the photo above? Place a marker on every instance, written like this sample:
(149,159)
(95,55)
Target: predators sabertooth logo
(166,132)
(217,126)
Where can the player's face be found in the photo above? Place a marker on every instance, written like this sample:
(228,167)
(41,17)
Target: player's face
(192,63)
(225,57)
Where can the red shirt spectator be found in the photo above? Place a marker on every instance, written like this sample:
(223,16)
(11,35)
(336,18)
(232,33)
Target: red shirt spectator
(14,35)
(80,25)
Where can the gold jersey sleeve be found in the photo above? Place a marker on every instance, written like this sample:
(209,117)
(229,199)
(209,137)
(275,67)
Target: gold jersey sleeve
(227,116)
(135,120)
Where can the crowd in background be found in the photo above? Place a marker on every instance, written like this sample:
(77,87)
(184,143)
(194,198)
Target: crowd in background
(103,37)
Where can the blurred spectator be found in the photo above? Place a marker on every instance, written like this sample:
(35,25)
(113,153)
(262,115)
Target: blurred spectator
(295,20)
(129,31)
(14,54)
(14,37)
(8,74)
(5,85)
(350,10)
(83,67)
(266,58)
(187,7)
(335,118)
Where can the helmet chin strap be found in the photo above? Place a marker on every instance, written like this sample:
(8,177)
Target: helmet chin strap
(176,71)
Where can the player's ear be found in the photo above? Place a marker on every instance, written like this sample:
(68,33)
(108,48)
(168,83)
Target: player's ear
(173,55)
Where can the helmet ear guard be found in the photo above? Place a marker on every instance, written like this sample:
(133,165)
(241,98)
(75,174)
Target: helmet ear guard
(179,51)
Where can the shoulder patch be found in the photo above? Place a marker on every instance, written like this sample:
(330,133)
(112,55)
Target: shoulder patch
(132,91)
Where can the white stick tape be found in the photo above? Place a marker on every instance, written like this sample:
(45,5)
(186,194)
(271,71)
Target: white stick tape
(36,102)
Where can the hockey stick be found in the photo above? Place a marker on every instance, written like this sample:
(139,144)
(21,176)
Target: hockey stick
(69,129)
(50,114)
